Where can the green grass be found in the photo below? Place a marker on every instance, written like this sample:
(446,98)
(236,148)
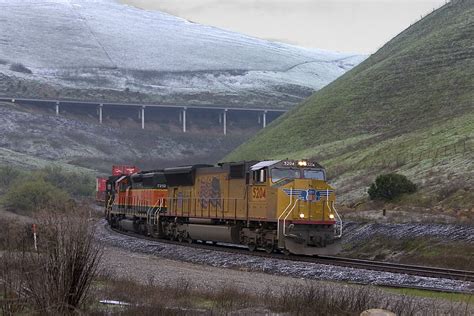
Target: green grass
(29,162)
(417,251)
(406,108)
(454,297)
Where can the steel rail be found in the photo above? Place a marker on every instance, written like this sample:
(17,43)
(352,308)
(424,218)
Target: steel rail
(448,273)
(425,271)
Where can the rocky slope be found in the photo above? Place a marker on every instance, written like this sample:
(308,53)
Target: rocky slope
(100,49)
(34,138)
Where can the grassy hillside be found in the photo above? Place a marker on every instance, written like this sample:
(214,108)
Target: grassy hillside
(409,107)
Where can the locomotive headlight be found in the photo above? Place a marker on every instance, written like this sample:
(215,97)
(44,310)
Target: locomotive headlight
(301,215)
(331,216)
(302,163)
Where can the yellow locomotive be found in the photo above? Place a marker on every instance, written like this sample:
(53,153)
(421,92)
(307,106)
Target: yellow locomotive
(274,205)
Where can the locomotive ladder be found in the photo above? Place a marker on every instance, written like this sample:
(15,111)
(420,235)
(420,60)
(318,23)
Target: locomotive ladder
(109,205)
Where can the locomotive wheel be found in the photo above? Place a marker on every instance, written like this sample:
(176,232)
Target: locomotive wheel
(180,238)
(269,249)
(252,246)
(285,252)
(189,240)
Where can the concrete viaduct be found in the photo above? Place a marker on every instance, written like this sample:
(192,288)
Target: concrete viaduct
(222,111)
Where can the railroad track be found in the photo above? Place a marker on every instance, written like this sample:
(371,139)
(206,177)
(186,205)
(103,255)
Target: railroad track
(425,271)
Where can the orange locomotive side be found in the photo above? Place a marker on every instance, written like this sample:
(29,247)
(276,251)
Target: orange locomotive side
(135,200)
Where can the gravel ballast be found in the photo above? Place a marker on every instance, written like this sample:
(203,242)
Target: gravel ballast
(304,270)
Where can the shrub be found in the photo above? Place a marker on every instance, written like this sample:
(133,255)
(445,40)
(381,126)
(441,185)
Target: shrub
(8,175)
(74,183)
(20,68)
(390,186)
(29,195)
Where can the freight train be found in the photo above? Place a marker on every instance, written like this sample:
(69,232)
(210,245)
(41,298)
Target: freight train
(101,183)
(277,205)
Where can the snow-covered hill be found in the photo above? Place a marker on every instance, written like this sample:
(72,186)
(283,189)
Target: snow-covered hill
(104,45)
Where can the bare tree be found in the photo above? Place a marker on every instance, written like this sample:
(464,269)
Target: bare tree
(60,273)
(12,286)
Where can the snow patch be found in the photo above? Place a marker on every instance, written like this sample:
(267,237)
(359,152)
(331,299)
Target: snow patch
(60,40)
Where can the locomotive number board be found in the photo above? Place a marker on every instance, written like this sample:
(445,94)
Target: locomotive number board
(301,163)
(259,194)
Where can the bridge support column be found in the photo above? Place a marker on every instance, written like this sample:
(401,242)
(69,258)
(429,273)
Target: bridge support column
(264,123)
(184,119)
(143,117)
(57,107)
(100,113)
(224,121)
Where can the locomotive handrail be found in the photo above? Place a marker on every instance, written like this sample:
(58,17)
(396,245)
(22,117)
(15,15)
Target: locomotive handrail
(283,213)
(288,214)
(113,203)
(339,219)
(208,209)
(110,202)
(157,211)
(327,203)
(151,209)
(109,205)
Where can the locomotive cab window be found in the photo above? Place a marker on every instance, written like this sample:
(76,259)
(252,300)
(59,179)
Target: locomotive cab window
(237,171)
(148,182)
(260,176)
(123,186)
(314,174)
(279,173)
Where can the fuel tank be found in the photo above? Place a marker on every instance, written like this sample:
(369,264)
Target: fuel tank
(228,234)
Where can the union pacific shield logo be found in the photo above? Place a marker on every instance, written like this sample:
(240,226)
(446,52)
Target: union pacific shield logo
(310,195)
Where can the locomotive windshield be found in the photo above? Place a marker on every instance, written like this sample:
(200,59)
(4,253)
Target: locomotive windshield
(278,174)
(284,173)
(314,174)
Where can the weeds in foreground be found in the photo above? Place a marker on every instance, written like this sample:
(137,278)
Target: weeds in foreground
(55,278)
(176,298)
(307,298)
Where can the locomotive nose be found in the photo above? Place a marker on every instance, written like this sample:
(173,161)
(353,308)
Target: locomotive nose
(309,221)
(310,200)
